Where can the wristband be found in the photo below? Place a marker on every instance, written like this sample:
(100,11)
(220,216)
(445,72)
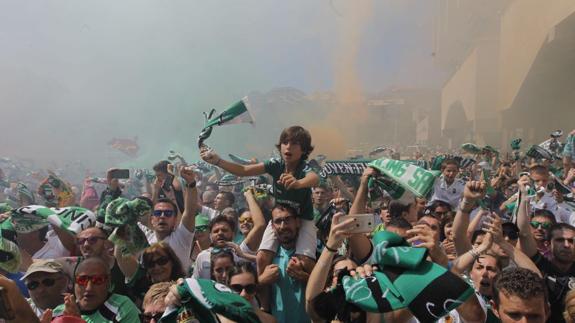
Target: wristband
(474,253)
(330,249)
(466,205)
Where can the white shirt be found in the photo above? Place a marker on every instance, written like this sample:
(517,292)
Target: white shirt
(451,194)
(52,249)
(180,240)
(202,267)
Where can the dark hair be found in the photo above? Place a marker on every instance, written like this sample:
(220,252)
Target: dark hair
(440,203)
(449,161)
(400,223)
(544,214)
(244,267)
(161,166)
(229,196)
(396,209)
(519,282)
(215,256)
(510,229)
(177,269)
(285,207)
(538,169)
(476,234)
(222,219)
(559,226)
(498,260)
(168,201)
(297,135)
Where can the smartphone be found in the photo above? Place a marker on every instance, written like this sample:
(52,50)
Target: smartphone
(120,173)
(364,223)
(6,311)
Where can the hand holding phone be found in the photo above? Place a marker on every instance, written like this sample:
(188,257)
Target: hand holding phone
(364,223)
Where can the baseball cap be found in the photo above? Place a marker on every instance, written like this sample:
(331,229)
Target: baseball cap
(43,266)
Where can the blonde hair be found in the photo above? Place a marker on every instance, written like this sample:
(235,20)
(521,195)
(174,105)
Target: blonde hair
(157,293)
(569,313)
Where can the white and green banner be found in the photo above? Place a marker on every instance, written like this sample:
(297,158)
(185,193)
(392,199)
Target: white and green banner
(237,113)
(416,180)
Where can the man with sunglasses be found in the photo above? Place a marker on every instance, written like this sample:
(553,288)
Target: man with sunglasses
(94,299)
(46,283)
(559,270)
(164,220)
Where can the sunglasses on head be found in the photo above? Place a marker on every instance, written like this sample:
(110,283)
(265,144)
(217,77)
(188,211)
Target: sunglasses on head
(227,250)
(147,317)
(202,228)
(166,213)
(32,285)
(160,262)
(83,280)
(91,240)
(537,224)
(238,288)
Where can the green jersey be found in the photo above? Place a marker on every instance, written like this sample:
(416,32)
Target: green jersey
(117,308)
(299,199)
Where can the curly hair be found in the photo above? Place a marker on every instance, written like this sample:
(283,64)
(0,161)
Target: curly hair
(519,282)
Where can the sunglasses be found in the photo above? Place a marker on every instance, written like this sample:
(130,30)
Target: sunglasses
(91,240)
(543,225)
(148,317)
(83,280)
(32,285)
(246,220)
(160,262)
(238,288)
(166,213)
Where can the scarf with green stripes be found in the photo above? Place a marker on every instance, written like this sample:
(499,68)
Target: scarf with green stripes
(406,279)
(123,215)
(202,299)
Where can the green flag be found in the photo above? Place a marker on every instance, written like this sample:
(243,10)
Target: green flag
(237,113)
(417,180)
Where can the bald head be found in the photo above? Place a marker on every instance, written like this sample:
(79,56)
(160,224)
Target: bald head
(94,263)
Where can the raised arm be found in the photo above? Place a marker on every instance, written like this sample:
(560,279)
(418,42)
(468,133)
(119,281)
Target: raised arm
(190,199)
(211,157)
(527,242)
(359,244)
(256,233)
(345,193)
(319,275)
(127,263)
(473,192)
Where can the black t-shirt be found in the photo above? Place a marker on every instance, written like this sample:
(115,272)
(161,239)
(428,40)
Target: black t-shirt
(558,284)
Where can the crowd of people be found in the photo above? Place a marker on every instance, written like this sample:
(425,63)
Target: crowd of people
(491,240)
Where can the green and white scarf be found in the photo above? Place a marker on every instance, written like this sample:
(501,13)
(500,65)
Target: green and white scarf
(414,179)
(202,299)
(34,217)
(123,215)
(404,279)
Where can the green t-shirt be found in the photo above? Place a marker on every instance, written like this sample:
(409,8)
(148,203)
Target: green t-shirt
(288,294)
(117,308)
(299,199)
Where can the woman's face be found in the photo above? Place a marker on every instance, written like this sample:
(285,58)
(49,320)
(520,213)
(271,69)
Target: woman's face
(159,267)
(244,283)
(221,268)
(246,223)
(339,266)
(448,231)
